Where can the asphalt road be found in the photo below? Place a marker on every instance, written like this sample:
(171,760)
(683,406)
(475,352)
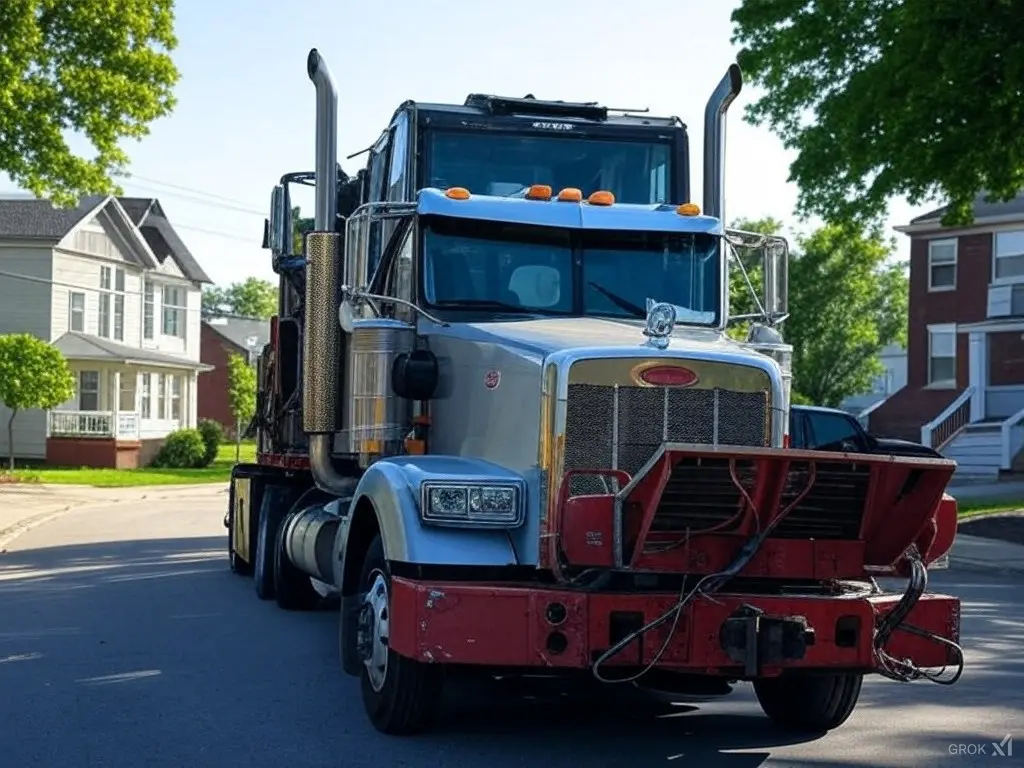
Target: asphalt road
(125,641)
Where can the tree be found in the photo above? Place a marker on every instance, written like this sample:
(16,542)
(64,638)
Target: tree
(252,298)
(846,302)
(885,97)
(300,227)
(241,396)
(91,67)
(33,374)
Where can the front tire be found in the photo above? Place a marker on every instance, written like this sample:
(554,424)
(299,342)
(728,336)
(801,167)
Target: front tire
(400,695)
(811,702)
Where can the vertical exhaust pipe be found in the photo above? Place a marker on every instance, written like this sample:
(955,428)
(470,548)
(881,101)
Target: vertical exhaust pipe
(725,94)
(321,343)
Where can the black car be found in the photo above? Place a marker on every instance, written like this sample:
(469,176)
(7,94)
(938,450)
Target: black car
(831,429)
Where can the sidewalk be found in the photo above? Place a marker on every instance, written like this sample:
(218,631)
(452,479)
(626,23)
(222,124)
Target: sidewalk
(25,506)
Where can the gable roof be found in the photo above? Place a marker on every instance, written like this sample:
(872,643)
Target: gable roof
(240,330)
(75,345)
(34,218)
(982,209)
(148,215)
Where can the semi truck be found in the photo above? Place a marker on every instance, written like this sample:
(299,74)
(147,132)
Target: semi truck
(502,426)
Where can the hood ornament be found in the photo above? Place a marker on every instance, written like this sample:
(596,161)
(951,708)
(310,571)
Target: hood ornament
(661,319)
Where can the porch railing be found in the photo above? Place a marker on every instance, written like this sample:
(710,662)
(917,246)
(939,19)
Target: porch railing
(940,430)
(98,424)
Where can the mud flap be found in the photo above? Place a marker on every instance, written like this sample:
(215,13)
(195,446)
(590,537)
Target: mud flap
(754,639)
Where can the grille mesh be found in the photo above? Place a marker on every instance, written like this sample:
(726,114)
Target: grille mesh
(649,416)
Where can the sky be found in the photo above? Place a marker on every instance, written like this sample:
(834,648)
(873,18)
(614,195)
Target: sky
(245,111)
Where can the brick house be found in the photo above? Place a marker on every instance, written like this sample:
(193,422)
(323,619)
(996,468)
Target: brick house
(220,337)
(111,285)
(965,351)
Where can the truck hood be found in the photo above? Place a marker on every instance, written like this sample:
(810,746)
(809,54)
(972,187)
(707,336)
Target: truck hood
(542,337)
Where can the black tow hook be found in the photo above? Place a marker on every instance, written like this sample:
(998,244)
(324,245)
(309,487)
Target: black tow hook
(226,516)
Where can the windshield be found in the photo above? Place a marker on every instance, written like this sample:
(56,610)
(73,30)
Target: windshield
(540,270)
(504,164)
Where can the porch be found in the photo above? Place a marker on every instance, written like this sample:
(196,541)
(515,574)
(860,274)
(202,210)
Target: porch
(126,402)
(983,427)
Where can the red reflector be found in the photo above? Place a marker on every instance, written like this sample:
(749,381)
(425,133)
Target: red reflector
(667,376)
(785,441)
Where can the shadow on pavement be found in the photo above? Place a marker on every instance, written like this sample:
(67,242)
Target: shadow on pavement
(113,650)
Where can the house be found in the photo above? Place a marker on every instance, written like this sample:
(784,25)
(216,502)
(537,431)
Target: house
(111,285)
(220,337)
(965,353)
(894,360)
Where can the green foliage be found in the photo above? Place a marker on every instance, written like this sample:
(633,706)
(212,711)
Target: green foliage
(33,374)
(846,302)
(94,67)
(889,97)
(213,436)
(241,388)
(300,227)
(182,449)
(252,298)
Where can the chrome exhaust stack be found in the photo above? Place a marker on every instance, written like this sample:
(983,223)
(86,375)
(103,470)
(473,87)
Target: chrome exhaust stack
(722,97)
(321,343)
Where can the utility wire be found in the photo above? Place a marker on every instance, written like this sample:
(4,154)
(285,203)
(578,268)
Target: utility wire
(191,190)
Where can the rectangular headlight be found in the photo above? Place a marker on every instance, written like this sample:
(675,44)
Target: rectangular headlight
(497,505)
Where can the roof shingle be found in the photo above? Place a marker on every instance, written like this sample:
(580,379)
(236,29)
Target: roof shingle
(81,346)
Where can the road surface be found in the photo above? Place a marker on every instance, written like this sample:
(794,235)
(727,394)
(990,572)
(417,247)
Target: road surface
(125,641)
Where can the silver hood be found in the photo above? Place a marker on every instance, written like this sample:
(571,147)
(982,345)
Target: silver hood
(538,338)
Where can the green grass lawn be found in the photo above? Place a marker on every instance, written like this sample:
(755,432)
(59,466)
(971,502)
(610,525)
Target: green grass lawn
(989,506)
(218,472)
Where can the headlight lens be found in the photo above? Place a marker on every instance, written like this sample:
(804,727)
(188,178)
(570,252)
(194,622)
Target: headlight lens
(491,504)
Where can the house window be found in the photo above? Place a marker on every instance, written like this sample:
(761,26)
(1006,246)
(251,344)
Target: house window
(103,319)
(147,403)
(174,312)
(76,311)
(1008,257)
(941,354)
(111,323)
(176,397)
(942,265)
(119,304)
(88,390)
(161,397)
(147,310)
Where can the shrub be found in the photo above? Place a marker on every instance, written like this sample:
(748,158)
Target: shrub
(213,436)
(182,449)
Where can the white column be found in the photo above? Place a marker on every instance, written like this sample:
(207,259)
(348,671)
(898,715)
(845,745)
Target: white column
(116,410)
(978,372)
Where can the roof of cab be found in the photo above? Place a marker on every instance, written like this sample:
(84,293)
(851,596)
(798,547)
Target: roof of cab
(570,215)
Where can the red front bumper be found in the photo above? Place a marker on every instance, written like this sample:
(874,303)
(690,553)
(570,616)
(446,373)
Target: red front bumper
(516,626)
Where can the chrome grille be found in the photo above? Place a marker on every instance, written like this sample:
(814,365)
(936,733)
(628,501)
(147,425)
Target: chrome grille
(648,417)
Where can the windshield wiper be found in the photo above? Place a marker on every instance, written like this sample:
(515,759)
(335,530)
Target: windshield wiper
(621,303)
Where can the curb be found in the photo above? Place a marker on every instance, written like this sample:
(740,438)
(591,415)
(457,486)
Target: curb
(26,524)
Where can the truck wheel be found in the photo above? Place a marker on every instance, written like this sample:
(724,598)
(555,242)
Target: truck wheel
(809,703)
(272,510)
(292,588)
(400,695)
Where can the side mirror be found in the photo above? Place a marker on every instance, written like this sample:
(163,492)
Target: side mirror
(280,222)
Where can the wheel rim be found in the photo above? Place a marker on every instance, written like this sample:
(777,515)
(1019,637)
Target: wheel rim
(374,631)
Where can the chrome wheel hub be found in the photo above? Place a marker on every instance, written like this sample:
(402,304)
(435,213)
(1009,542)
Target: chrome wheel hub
(374,632)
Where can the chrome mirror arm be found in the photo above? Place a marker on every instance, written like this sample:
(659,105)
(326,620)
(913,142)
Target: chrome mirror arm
(358,294)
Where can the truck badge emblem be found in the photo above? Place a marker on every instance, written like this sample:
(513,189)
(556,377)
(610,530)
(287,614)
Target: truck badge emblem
(661,319)
(492,379)
(667,376)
